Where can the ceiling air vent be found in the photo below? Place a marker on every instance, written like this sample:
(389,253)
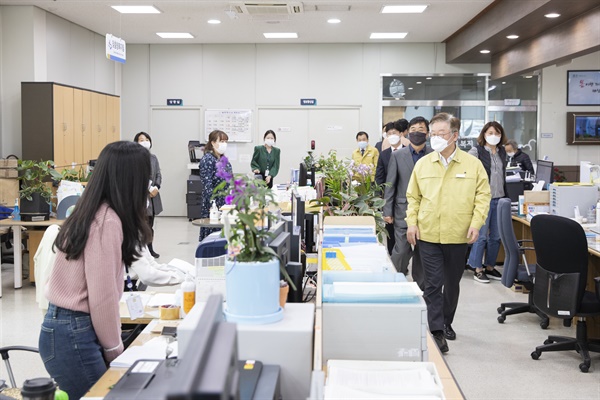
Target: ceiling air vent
(271,9)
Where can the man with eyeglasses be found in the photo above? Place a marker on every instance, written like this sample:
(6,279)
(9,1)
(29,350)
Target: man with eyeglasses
(448,200)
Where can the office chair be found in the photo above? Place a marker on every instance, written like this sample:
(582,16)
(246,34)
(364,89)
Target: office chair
(4,353)
(561,276)
(513,271)
(211,246)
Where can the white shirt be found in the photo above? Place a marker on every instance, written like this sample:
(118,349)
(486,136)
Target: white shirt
(445,162)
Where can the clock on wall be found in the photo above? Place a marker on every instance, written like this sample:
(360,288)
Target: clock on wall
(396,88)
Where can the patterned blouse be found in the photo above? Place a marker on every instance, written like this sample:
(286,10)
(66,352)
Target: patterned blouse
(209,180)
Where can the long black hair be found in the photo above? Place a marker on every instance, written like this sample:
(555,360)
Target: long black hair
(119,179)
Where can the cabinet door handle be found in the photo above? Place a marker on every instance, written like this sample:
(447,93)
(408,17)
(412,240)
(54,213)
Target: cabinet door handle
(82,127)
(64,126)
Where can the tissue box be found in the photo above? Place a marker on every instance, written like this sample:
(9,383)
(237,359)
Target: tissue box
(538,196)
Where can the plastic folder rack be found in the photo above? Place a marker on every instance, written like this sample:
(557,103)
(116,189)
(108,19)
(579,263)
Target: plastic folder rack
(340,235)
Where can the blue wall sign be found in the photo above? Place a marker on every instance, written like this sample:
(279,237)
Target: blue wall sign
(308,102)
(174,102)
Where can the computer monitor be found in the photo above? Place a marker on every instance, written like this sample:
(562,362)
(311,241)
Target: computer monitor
(281,246)
(298,211)
(544,171)
(306,176)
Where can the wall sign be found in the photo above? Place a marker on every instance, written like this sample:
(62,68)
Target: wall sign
(237,124)
(174,102)
(308,102)
(115,48)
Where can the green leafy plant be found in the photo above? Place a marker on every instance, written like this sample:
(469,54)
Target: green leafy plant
(349,189)
(250,199)
(75,175)
(34,176)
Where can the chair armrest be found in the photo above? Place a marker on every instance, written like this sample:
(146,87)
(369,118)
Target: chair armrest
(597,282)
(526,248)
(4,350)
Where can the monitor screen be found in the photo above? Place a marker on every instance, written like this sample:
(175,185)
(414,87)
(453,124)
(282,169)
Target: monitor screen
(281,247)
(303,175)
(544,171)
(298,211)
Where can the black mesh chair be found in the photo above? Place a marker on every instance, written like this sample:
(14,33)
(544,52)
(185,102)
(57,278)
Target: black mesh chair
(514,272)
(561,277)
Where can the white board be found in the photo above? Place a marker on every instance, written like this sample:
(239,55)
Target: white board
(237,124)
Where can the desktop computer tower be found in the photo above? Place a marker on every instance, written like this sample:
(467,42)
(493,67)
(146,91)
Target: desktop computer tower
(296,272)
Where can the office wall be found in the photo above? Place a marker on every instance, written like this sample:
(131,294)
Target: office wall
(39,46)
(554,114)
(266,76)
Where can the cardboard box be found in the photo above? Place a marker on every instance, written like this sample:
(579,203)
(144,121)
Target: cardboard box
(537,197)
(9,191)
(8,163)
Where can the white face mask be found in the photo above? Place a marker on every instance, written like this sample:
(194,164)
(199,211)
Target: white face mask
(393,139)
(510,154)
(221,147)
(439,144)
(270,142)
(146,144)
(362,145)
(492,139)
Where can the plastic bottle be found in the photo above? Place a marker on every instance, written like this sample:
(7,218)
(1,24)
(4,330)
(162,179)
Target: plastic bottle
(188,287)
(214,212)
(16,214)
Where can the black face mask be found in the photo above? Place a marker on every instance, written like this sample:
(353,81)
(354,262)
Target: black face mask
(417,138)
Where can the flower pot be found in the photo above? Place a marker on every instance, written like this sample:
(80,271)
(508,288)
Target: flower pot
(283,295)
(252,290)
(36,209)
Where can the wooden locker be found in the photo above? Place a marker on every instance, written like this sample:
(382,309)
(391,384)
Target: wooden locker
(98,124)
(64,153)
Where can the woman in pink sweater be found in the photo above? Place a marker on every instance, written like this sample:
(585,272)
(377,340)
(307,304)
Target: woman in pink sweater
(81,332)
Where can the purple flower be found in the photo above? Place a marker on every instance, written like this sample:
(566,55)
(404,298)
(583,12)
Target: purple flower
(222,170)
(228,199)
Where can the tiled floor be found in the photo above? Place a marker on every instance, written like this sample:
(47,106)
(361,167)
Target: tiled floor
(489,360)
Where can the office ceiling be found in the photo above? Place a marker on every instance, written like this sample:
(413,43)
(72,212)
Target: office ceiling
(358,20)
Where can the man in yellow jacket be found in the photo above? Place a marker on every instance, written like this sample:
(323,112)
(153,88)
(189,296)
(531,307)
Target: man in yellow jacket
(448,201)
(365,154)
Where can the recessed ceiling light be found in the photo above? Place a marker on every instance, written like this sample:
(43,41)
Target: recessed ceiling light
(136,9)
(410,88)
(175,35)
(418,83)
(388,35)
(214,21)
(334,21)
(402,9)
(280,35)
(512,37)
(528,76)
(504,83)
(428,78)
(552,15)
(484,51)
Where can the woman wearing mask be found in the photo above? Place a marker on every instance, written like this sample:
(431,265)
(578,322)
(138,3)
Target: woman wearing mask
(491,153)
(214,150)
(154,204)
(81,332)
(265,160)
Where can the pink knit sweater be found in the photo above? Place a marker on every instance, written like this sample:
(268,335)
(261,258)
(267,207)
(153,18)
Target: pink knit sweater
(94,283)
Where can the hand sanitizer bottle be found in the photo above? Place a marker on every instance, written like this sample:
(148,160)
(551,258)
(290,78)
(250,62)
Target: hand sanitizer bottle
(16,214)
(214,213)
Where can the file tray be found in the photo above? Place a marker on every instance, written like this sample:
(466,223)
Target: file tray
(372,292)
(355,379)
(337,240)
(330,277)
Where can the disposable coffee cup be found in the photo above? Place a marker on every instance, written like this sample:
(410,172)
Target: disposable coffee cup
(38,389)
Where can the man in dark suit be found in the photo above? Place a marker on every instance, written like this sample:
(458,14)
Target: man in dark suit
(395,131)
(400,167)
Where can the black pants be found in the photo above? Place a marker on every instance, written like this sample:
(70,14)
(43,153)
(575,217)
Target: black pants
(391,240)
(443,266)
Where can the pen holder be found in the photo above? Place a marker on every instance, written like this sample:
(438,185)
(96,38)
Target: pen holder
(169,312)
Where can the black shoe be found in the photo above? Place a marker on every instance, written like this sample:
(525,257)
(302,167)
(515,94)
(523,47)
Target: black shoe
(440,341)
(449,332)
(155,255)
(493,274)
(481,277)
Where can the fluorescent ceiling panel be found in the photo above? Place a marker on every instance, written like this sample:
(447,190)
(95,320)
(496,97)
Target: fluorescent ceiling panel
(280,35)
(388,35)
(136,9)
(175,35)
(403,9)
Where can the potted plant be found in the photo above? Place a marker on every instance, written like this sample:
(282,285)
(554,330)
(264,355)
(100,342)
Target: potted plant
(35,192)
(252,268)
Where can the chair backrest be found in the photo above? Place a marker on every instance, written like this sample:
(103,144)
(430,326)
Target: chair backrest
(561,247)
(509,241)
(211,246)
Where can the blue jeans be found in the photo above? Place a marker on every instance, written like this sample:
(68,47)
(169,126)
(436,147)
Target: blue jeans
(70,350)
(488,241)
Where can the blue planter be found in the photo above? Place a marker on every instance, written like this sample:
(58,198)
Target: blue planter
(252,290)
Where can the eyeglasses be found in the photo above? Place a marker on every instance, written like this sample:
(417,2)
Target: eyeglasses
(440,134)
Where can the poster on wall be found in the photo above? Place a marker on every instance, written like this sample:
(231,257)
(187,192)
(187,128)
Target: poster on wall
(583,88)
(237,124)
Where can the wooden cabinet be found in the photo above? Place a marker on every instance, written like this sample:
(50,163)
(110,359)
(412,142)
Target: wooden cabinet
(67,124)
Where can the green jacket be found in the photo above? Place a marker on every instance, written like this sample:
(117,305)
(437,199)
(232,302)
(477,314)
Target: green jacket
(261,157)
(445,203)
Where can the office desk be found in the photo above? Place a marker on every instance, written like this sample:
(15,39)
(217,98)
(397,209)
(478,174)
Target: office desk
(523,231)
(206,223)
(35,241)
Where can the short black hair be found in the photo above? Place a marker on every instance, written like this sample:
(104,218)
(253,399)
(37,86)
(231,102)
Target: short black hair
(137,137)
(120,179)
(362,133)
(401,125)
(389,126)
(418,120)
(270,132)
